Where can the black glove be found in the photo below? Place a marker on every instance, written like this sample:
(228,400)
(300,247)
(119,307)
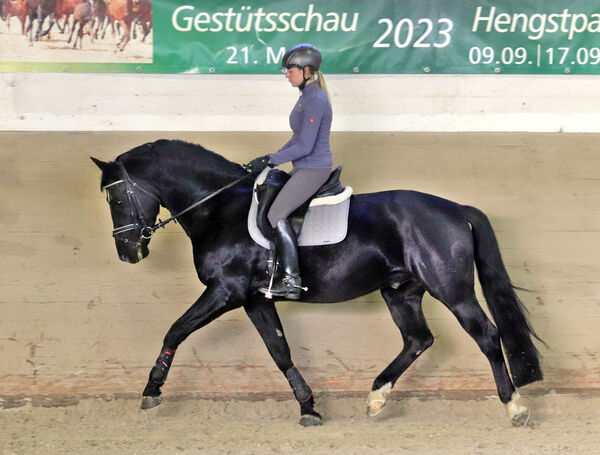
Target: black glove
(257,164)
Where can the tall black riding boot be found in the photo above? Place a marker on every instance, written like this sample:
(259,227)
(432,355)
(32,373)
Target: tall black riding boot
(290,284)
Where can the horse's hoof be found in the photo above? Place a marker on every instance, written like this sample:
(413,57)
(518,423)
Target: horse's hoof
(375,407)
(377,399)
(519,415)
(521,419)
(311,420)
(150,402)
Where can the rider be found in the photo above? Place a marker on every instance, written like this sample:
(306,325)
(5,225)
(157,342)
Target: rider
(310,153)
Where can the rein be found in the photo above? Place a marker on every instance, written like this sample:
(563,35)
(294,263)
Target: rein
(147,231)
(162,224)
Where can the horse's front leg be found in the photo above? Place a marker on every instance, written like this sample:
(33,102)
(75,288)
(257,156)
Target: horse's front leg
(215,301)
(264,316)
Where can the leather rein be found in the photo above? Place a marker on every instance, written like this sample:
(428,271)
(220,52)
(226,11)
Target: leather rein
(146,230)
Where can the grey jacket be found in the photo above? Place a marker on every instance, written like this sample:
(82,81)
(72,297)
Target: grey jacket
(310,121)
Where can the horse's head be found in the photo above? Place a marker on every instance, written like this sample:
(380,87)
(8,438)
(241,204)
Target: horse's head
(133,210)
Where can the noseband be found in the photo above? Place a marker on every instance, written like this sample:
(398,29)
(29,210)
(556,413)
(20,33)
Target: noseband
(137,214)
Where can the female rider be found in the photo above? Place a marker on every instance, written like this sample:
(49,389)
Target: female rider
(310,154)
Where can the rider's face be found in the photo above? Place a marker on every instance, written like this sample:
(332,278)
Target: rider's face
(294,75)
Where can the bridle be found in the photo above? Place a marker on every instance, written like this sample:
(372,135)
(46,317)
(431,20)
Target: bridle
(146,231)
(137,214)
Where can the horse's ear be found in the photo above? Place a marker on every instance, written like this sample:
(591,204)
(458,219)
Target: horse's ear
(101,164)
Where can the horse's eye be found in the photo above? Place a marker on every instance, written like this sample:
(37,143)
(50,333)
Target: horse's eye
(118,203)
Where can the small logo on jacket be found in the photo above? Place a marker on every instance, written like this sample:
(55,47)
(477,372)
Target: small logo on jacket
(311,120)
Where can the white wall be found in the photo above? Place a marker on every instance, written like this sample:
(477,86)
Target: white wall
(186,102)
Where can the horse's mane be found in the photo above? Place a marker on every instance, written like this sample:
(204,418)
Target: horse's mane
(177,146)
(187,152)
(191,155)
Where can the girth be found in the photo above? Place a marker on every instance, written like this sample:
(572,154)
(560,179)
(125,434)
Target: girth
(275,180)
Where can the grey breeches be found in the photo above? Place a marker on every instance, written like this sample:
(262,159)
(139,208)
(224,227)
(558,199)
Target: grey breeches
(302,185)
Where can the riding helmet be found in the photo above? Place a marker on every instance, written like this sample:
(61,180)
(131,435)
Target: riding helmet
(302,55)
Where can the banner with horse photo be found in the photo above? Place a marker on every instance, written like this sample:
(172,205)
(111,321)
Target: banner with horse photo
(75,35)
(250,37)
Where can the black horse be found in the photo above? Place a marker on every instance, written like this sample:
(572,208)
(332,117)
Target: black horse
(400,242)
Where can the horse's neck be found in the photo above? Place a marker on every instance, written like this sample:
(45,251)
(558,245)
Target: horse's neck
(185,183)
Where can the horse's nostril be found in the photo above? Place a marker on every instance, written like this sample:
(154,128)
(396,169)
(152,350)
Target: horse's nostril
(129,259)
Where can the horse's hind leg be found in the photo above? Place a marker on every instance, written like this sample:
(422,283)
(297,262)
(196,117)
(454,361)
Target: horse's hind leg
(405,306)
(264,316)
(473,319)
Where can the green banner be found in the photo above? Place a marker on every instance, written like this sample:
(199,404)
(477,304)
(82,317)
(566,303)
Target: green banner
(376,36)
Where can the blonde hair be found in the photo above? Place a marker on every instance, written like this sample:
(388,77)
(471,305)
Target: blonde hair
(321,81)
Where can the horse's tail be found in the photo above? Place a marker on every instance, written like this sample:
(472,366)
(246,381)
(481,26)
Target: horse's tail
(504,304)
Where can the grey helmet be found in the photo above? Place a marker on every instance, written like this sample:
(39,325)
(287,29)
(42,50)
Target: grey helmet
(302,55)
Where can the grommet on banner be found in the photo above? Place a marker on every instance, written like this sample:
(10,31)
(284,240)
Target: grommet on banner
(567,70)
(356,69)
(496,70)
(426,69)
(139,69)
(211,70)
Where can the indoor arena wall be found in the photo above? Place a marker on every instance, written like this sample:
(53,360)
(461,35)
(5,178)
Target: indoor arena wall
(76,320)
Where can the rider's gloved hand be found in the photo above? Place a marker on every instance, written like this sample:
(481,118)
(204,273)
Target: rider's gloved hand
(257,164)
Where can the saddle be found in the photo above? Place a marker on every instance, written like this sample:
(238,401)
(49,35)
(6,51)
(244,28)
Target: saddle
(269,183)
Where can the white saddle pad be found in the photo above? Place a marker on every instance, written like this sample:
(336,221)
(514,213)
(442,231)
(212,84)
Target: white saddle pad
(325,223)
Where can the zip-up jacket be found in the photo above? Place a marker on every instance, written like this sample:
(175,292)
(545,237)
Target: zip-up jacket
(310,121)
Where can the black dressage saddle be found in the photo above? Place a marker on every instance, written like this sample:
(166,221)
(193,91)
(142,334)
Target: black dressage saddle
(267,191)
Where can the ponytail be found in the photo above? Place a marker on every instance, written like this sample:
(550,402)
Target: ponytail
(321,81)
